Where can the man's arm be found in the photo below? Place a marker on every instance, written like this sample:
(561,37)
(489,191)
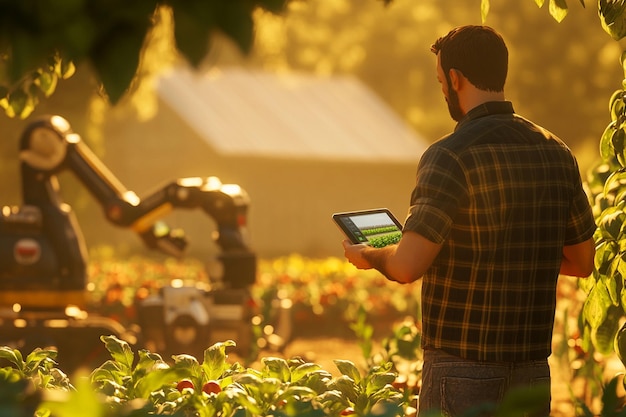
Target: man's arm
(578,259)
(405,262)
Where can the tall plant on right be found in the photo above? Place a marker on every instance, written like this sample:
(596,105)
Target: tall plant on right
(605,306)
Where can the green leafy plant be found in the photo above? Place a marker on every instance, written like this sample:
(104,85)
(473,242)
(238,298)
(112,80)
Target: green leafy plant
(612,403)
(288,387)
(39,367)
(606,294)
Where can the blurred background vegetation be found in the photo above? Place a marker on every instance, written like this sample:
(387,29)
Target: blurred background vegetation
(561,74)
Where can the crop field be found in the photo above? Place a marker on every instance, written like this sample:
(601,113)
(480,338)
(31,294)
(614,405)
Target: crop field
(353,349)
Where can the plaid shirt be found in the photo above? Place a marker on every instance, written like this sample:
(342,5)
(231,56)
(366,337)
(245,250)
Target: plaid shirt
(503,195)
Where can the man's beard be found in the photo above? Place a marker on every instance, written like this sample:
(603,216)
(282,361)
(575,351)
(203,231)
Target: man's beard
(454,106)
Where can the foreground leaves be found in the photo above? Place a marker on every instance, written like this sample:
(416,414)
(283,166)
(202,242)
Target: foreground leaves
(280,387)
(143,384)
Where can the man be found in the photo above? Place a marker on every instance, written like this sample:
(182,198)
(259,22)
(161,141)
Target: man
(498,211)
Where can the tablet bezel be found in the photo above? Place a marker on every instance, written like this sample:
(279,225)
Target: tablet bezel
(348,233)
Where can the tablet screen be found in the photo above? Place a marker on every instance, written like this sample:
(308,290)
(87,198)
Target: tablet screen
(376,227)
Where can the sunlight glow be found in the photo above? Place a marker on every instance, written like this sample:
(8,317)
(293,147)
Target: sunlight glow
(231,189)
(191,182)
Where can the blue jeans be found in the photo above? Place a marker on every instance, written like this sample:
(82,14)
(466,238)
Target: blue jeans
(453,385)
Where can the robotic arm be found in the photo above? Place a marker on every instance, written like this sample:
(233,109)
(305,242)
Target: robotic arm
(48,146)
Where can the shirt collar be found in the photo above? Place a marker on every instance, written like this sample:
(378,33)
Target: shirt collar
(486,109)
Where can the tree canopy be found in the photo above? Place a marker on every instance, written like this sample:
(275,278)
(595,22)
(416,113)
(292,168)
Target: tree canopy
(41,41)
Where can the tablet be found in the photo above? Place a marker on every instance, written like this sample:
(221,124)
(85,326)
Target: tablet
(375,227)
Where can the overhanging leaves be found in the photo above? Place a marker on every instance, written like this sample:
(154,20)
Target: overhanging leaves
(613,17)
(558,9)
(110,36)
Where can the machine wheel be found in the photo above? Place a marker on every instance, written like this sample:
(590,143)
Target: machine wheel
(186,335)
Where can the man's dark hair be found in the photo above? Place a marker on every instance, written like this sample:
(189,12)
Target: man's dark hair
(478,52)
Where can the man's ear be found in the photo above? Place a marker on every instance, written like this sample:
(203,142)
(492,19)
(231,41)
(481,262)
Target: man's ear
(456,78)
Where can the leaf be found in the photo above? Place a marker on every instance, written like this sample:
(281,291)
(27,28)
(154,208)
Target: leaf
(249,381)
(190,368)
(611,399)
(346,386)
(603,337)
(613,18)
(155,380)
(109,370)
(302,370)
(116,60)
(616,180)
(558,9)
(269,387)
(524,401)
(484,10)
(235,20)
(620,344)
(66,69)
(47,82)
(298,393)
(278,6)
(26,54)
(148,360)
(605,253)
(616,104)
(185,360)
(606,148)
(78,402)
(334,401)
(214,363)
(12,355)
(348,368)
(623,295)
(610,280)
(276,368)
(378,381)
(617,142)
(39,356)
(120,351)
(239,396)
(317,380)
(596,305)
(193,23)
(20,104)
(587,284)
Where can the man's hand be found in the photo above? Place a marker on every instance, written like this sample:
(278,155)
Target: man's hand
(354,254)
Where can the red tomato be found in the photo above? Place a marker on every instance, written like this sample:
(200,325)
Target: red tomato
(348,411)
(184,383)
(212,387)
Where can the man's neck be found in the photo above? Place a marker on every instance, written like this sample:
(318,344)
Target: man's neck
(474,97)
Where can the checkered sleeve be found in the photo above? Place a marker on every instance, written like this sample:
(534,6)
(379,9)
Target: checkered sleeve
(581,225)
(440,186)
